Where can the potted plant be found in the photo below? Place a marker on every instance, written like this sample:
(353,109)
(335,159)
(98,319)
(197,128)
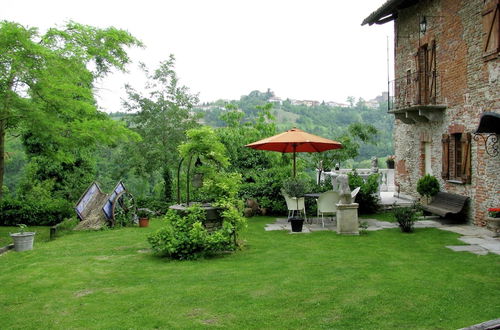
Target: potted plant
(295,188)
(493,220)
(428,186)
(390,161)
(23,240)
(143,215)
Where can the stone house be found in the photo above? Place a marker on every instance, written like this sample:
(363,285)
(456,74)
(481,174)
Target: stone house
(447,75)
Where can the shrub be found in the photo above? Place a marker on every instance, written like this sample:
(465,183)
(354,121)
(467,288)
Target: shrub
(367,197)
(185,238)
(406,217)
(265,187)
(32,212)
(156,205)
(428,186)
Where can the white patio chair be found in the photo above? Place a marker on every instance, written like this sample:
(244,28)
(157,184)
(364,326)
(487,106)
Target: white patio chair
(327,204)
(295,205)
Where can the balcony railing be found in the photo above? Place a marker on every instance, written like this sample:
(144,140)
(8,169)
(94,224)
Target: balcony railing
(415,89)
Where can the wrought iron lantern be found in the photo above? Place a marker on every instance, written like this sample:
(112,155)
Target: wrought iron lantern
(423,25)
(197,180)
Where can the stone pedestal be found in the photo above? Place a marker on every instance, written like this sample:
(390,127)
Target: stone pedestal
(347,219)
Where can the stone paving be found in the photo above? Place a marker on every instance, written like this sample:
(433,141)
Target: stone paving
(480,240)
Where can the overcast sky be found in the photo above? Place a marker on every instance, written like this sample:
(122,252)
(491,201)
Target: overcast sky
(307,49)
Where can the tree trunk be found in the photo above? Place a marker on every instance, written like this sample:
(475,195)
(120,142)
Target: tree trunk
(167,179)
(2,155)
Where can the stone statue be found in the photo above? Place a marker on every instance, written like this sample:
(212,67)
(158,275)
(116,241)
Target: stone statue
(345,191)
(374,168)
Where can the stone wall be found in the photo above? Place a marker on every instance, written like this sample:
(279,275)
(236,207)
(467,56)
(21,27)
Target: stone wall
(468,87)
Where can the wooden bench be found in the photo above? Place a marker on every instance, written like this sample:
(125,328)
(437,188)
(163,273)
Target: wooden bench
(445,204)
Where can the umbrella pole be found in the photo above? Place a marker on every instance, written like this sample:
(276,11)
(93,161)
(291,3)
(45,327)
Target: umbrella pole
(294,156)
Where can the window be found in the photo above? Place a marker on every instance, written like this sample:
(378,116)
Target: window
(456,165)
(491,29)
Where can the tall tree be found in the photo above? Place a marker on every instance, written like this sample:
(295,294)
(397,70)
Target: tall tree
(163,117)
(46,85)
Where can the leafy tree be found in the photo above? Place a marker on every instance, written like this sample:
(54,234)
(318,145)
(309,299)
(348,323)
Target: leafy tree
(162,119)
(357,133)
(46,86)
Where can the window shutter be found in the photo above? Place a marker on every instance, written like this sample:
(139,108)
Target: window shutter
(466,155)
(491,29)
(432,72)
(445,172)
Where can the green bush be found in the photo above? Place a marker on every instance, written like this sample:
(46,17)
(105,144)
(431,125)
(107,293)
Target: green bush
(265,187)
(428,186)
(153,204)
(32,212)
(295,187)
(406,217)
(367,197)
(185,238)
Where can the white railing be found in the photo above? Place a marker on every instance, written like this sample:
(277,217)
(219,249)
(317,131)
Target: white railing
(386,179)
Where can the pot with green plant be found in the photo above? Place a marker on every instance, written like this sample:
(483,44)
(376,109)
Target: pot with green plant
(23,240)
(143,215)
(295,189)
(428,186)
(390,161)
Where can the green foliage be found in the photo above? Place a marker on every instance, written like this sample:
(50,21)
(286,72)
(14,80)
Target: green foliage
(367,197)
(34,212)
(295,187)
(406,217)
(185,238)
(46,85)
(428,186)
(265,187)
(22,228)
(205,143)
(162,117)
(222,186)
(152,203)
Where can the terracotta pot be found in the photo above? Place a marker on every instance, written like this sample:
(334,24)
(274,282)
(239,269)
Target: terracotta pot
(143,222)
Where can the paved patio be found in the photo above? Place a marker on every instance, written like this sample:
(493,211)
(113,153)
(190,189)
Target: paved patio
(480,240)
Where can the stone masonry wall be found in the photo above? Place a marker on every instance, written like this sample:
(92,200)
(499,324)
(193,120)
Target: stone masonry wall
(468,86)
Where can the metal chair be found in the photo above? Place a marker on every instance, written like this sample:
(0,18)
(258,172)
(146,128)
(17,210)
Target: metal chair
(327,204)
(294,204)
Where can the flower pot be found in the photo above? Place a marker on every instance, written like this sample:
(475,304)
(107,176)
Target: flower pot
(23,241)
(493,224)
(297,224)
(143,222)
(390,165)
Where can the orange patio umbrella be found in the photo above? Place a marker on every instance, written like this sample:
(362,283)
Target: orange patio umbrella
(295,140)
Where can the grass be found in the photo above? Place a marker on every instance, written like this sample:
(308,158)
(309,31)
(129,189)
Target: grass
(381,216)
(379,280)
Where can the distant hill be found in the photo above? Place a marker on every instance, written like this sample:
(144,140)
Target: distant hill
(325,119)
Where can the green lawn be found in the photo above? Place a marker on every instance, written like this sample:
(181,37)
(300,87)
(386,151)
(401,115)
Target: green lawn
(381,216)
(382,279)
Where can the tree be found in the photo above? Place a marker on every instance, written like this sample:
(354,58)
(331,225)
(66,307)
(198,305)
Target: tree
(162,119)
(46,86)
(356,133)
